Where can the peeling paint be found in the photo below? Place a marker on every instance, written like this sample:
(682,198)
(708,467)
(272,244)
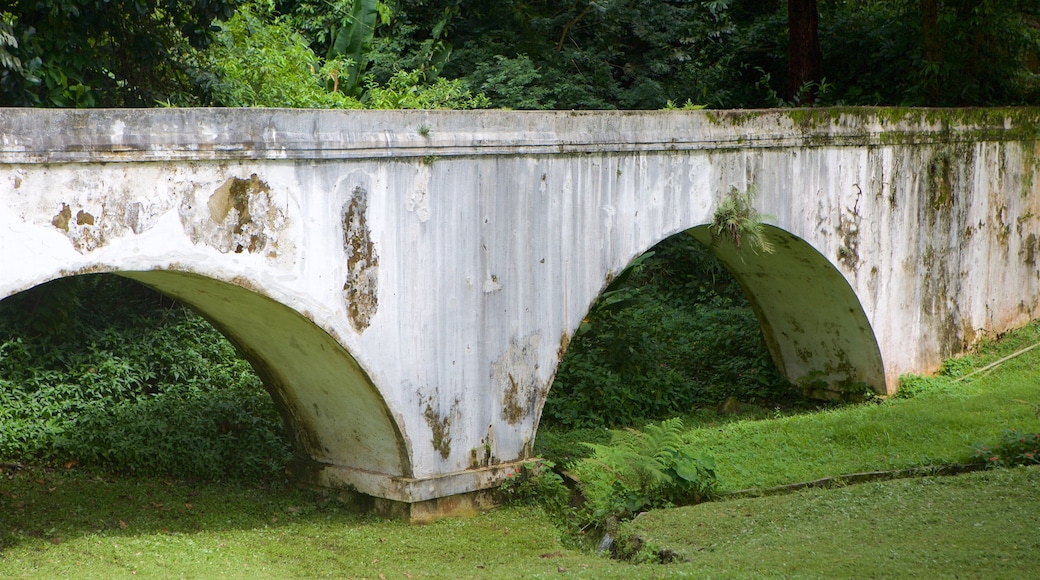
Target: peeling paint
(440,424)
(940,180)
(418,201)
(492,284)
(848,229)
(515,375)
(565,342)
(62,218)
(1028,250)
(484,455)
(83,218)
(362,284)
(84,234)
(239,217)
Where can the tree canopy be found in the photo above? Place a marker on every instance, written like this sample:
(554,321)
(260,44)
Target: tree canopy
(528,54)
(122,53)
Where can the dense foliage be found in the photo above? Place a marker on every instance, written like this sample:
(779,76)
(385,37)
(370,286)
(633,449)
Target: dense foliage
(672,333)
(640,54)
(529,54)
(111,53)
(98,370)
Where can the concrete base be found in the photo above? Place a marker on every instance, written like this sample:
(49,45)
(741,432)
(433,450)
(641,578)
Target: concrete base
(461,505)
(416,500)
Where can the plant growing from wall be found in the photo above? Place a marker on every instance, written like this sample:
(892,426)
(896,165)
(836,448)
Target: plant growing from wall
(737,221)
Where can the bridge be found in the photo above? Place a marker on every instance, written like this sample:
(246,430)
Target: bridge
(406,283)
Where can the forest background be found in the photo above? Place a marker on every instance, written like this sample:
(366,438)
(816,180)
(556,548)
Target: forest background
(519,54)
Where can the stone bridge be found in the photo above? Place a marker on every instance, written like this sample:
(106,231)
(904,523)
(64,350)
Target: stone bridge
(406,283)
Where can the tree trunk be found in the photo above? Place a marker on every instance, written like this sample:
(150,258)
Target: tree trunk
(803,54)
(933,51)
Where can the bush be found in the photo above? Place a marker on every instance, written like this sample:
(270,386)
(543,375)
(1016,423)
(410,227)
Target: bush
(672,333)
(535,483)
(265,63)
(1014,448)
(101,371)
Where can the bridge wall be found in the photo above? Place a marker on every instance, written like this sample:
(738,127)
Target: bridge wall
(407,282)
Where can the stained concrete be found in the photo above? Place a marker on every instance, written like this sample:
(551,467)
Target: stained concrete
(405,283)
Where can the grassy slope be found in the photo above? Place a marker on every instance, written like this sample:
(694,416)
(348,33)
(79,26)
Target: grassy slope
(979,525)
(937,426)
(67,524)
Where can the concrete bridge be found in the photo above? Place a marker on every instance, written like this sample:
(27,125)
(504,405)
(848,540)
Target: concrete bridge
(405,283)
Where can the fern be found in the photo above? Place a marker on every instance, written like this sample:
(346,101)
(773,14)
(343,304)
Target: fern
(737,220)
(640,470)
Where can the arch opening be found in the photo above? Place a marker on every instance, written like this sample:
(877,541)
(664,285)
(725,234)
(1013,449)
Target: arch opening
(332,413)
(812,321)
(693,323)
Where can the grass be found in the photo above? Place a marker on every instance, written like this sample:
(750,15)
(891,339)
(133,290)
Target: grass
(72,524)
(83,524)
(938,425)
(979,525)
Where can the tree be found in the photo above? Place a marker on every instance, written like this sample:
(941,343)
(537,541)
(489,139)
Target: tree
(932,41)
(805,59)
(117,53)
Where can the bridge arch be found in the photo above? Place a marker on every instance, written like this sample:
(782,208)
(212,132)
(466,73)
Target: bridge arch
(813,324)
(333,412)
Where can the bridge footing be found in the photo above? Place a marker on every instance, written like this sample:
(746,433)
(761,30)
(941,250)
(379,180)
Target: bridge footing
(461,505)
(416,500)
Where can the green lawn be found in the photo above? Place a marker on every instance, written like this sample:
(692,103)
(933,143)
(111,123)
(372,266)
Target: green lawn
(81,524)
(61,524)
(979,525)
(64,524)
(939,425)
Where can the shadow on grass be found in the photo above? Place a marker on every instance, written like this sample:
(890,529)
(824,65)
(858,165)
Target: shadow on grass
(58,505)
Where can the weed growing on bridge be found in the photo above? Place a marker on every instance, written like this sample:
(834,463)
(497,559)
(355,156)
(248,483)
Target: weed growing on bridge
(737,221)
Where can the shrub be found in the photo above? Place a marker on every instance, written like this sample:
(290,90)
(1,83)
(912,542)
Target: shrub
(672,333)
(535,483)
(1013,448)
(101,371)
